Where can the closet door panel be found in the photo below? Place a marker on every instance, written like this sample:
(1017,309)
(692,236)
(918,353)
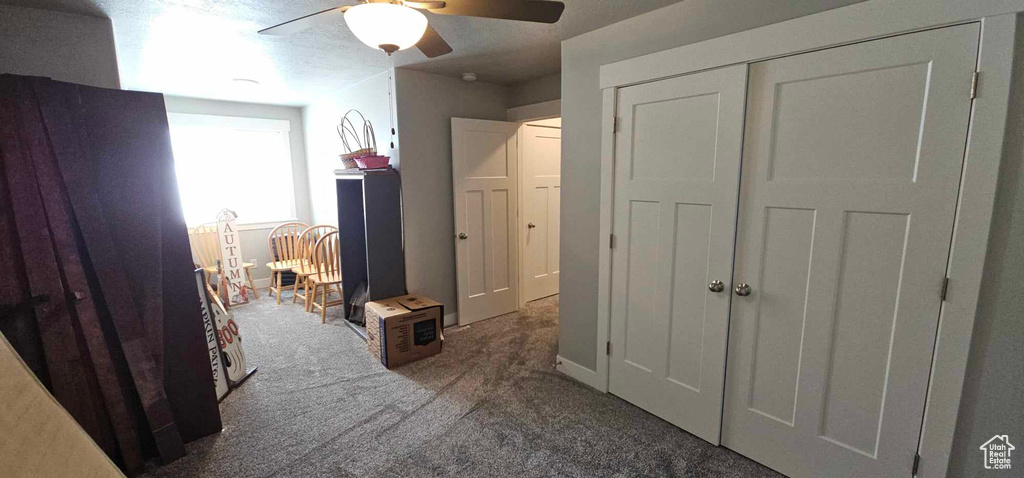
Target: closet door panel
(676,187)
(851,167)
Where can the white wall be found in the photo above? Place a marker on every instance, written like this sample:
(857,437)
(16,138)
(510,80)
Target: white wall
(254,239)
(426,104)
(542,89)
(61,46)
(994,387)
(323,145)
(669,27)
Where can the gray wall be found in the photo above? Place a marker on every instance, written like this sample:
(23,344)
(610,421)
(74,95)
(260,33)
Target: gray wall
(254,239)
(426,103)
(542,89)
(994,387)
(675,25)
(61,46)
(323,145)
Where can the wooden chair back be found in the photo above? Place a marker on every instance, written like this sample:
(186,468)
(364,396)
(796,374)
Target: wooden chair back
(307,241)
(284,241)
(205,244)
(327,258)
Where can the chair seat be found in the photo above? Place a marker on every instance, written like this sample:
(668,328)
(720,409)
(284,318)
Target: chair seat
(334,277)
(213,269)
(283,265)
(303,270)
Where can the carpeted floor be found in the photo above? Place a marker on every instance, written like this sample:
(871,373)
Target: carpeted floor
(491,404)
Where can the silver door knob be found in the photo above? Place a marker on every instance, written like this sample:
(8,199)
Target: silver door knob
(462,235)
(716,286)
(742,290)
(531,225)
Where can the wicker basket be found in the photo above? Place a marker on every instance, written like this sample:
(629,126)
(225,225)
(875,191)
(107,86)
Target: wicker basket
(357,145)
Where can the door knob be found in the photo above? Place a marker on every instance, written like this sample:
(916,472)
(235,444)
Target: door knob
(742,290)
(531,225)
(462,235)
(716,286)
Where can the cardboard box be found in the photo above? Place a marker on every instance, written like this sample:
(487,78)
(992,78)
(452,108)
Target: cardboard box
(404,329)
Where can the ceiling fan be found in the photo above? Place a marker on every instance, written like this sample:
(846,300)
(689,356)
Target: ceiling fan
(393,25)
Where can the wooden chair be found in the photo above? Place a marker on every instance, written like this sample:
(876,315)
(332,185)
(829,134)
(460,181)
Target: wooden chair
(206,246)
(306,243)
(283,243)
(326,272)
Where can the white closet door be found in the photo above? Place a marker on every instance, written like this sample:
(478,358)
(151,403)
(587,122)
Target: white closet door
(851,167)
(542,180)
(676,178)
(484,170)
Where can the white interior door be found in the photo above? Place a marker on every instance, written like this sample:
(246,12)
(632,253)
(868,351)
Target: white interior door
(541,156)
(851,167)
(484,174)
(677,160)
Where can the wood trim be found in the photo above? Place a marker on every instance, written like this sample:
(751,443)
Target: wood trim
(970,244)
(579,373)
(850,24)
(520,234)
(536,111)
(604,275)
(230,122)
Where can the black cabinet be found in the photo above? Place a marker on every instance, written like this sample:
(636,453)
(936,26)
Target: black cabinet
(370,229)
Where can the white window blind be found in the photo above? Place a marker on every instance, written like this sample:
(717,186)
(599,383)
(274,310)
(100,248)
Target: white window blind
(243,164)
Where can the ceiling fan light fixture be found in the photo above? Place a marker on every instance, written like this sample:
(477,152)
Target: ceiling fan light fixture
(386,26)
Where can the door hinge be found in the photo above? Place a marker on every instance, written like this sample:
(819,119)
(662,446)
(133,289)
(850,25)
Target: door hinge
(945,288)
(917,463)
(611,241)
(974,85)
(608,348)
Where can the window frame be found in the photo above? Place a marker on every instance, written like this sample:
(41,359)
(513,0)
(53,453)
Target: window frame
(244,123)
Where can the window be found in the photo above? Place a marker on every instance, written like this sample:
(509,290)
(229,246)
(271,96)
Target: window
(242,164)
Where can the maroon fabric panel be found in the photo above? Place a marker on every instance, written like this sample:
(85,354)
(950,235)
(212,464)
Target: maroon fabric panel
(99,364)
(61,106)
(91,217)
(18,137)
(128,148)
(17,325)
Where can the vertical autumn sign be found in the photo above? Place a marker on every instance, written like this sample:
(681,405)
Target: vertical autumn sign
(233,280)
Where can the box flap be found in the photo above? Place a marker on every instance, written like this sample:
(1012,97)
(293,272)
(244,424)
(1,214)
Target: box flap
(386,308)
(417,302)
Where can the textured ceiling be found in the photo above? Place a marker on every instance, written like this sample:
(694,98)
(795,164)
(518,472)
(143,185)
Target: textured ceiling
(196,47)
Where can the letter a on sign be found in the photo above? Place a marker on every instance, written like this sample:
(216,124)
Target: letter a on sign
(232,283)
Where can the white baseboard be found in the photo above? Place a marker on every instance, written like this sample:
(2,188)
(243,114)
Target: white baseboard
(580,373)
(451,319)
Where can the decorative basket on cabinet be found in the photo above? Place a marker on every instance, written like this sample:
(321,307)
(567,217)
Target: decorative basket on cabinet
(360,146)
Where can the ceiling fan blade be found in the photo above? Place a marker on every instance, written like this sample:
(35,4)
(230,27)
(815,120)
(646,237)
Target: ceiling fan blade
(432,45)
(541,11)
(307,21)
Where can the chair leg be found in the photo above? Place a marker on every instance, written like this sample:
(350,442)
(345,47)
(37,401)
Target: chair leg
(279,288)
(252,285)
(311,298)
(323,306)
(295,288)
(270,288)
(305,293)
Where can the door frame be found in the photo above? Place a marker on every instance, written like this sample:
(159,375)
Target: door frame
(523,115)
(874,19)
